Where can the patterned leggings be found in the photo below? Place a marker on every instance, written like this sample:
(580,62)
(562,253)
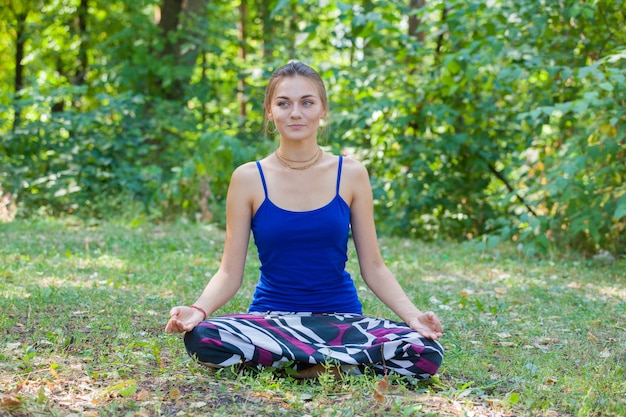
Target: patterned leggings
(304,339)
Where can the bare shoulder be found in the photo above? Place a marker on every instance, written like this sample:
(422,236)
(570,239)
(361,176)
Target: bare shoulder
(245,186)
(355,183)
(245,173)
(354,169)
(244,180)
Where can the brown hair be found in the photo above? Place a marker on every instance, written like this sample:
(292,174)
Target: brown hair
(293,69)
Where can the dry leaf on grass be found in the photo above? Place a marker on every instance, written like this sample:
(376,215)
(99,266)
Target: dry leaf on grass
(142,395)
(382,386)
(9,401)
(174,394)
(505,344)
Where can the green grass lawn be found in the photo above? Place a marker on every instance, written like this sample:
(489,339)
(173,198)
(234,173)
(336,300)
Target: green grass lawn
(83,306)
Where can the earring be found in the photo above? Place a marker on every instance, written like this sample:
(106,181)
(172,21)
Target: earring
(269,128)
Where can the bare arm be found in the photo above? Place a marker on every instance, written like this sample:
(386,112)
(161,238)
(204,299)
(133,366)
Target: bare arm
(375,273)
(229,277)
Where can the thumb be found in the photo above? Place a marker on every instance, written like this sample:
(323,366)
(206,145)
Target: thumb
(174,312)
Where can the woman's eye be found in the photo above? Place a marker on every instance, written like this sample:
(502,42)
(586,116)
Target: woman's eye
(307,103)
(282,103)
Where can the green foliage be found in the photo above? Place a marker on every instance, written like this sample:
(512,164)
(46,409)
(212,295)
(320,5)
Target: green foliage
(491,121)
(487,129)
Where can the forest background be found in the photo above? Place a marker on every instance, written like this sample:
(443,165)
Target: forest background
(487,121)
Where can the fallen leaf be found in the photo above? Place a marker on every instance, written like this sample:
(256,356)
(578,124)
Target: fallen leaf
(544,343)
(506,344)
(13,346)
(9,401)
(550,381)
(382,386)
(500,291)
(174,394)
(466,293)
(378,396)
(142,395)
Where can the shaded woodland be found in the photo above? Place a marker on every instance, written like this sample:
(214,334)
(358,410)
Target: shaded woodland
(488,121)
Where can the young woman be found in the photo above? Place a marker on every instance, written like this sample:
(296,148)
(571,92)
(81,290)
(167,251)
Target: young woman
(301,204)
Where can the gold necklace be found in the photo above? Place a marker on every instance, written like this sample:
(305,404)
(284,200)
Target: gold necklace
(309,162)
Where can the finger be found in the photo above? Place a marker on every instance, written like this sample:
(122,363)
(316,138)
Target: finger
(434,321)
(432,317)
(435,335)
(429,335)
(174,326)
(438,327)
(174,312)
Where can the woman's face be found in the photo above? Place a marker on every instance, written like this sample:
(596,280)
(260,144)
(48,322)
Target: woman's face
(296,108)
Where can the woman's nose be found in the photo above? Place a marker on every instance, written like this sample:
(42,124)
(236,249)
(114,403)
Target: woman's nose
(295,112)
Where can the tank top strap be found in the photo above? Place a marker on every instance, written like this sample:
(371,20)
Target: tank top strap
(339,173)
(258,164)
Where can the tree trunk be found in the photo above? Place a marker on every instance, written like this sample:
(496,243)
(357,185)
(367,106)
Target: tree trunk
(78,76)
(173,13)
(414,21)
(83,59)
(243,38)
(440,39)
(267,30)
(416,34)
(18,82)
(294,18)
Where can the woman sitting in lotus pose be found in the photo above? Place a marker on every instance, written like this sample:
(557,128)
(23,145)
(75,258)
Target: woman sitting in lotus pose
(301,204)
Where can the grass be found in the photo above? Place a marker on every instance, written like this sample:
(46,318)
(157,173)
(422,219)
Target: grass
(83,306)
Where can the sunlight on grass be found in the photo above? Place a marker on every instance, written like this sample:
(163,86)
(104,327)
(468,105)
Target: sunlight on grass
(83,310)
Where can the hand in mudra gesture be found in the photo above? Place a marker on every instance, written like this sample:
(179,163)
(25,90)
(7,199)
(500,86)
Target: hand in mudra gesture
(428,325)
(183,319)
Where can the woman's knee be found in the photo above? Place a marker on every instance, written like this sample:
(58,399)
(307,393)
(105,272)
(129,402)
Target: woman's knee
(205,344)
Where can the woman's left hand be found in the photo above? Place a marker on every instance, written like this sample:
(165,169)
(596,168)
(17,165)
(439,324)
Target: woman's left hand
(428,325)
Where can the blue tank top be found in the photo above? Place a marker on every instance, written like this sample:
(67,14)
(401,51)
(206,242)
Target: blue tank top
(303,256)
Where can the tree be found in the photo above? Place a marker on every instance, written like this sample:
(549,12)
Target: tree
(486,121)
(18,12)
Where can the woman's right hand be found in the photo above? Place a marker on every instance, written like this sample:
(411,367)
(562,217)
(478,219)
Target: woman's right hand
(183,319)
